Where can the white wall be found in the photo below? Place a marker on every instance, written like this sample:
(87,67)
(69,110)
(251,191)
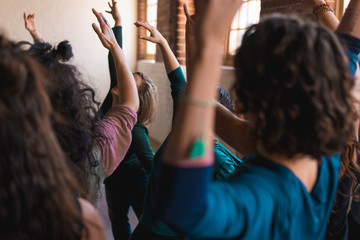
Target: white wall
(58,20)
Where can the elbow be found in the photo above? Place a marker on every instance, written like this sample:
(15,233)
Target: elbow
(136,105)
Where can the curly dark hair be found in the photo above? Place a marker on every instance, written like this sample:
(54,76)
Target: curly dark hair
(75,101)
(294,82)
(38,197)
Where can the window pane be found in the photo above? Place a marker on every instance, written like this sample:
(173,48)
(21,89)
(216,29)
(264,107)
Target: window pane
(151,13)
(244,15)
(247,15)
(150,2)
(151,18)
(236,22)
(254,12)
(234,40)
(150,48)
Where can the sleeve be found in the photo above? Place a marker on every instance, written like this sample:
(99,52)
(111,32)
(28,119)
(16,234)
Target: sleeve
(142,148)
(105,107)
(352,48)
(116,127)
(177,84)
(194,205)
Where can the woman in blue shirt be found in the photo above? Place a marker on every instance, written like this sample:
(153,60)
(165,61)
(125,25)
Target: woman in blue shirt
(294,84)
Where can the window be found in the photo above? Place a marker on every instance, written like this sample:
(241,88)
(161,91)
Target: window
(151,18)
(341,6)
(248,14)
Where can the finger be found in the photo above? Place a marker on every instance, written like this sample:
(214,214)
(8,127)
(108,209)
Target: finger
(114,2)
(105,20)
(141,24)
(147,38)
(108,11)
(186,11)
(97,30)
(148,26)
(110,5)
(99,18)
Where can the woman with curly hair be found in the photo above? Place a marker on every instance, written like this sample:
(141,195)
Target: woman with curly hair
(96,147)
(295,88)
(39,196)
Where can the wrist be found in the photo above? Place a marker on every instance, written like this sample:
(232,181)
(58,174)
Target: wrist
(163,42)
(118,22)
(317,3)
(33,32)
(114,48)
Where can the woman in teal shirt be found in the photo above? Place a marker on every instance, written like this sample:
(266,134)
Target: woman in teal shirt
(294,84)
(127,185)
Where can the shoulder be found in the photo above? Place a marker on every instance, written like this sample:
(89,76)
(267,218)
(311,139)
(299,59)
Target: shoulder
(91,221)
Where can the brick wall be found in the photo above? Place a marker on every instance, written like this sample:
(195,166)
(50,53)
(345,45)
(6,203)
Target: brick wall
(141,17)
(167,24)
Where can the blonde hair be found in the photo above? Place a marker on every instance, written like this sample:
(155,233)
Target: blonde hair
(148,95)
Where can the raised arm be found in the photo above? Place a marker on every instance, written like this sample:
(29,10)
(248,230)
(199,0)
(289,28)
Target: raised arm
(128,94)
(30,25)
(234,131)
(170,60)
(117,29)
(114,11)
(190,143)
(172,66)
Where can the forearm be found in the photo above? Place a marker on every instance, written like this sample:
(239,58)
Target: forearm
(128,94)
(351,20)
(329,20)
(36,36)
(193,121)
(234,131)
(170,61)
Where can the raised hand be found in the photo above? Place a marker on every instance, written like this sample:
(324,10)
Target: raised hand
(215,17)
(114,11)
(155,35)
(30,23)
(105,32)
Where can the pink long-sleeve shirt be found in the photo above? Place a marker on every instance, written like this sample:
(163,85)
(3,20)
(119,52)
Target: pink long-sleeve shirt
(116,126)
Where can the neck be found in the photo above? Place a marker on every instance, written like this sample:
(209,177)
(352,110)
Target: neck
(304,167)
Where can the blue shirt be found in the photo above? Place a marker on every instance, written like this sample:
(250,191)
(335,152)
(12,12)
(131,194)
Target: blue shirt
(259,193)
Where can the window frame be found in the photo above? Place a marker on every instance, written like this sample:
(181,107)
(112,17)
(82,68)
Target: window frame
(229,58)
(148,56)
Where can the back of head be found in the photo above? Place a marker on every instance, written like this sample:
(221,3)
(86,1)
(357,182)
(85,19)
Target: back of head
(76,103)
(294,84)
(148,97)
(38,194)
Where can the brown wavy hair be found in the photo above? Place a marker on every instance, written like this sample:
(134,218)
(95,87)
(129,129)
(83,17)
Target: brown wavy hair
(38,197)
(293,78)
(148,97)
(75,101)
